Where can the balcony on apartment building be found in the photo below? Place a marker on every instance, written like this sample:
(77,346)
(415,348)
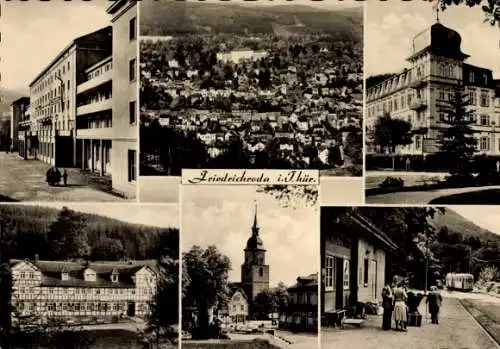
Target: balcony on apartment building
(95,133)
(24,125)
(95,82)
(418,82)
(97,126)
(418,104)
(94,104)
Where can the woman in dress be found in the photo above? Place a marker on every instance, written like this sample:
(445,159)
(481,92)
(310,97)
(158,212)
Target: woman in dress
(400,298)
(387,303)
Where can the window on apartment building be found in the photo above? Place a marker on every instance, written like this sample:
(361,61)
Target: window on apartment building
(365,271)
(132,112)
(131,70)
(485,78)
(485,119)
(471,76)
(442,116)
(132,29)
(131,166)
(485,101)
(484,144)
(418,142)
(329,273)
(451,95)
(395,104)
(472,97)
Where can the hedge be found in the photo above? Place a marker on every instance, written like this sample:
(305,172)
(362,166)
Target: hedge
(437,162)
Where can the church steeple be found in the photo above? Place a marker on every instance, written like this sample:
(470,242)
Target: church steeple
(255,242)
(255,227)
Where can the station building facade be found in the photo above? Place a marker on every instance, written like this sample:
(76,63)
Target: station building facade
(353,261)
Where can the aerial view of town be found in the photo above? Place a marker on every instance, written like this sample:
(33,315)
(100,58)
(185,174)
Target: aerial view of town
(251,86)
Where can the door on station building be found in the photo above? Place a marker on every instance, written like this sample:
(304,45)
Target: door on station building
(373,279)
(131,309)
(339,283)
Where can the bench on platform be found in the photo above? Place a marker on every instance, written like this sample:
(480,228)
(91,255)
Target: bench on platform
(353,322)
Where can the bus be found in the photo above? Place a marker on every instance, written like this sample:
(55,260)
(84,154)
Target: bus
(459,282)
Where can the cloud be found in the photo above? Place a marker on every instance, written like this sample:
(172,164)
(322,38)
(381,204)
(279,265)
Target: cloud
(291,236)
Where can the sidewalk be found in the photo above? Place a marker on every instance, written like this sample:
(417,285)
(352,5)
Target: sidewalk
(456,330)
(24,180)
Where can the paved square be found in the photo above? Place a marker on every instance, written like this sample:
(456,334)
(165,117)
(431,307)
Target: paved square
(24,180)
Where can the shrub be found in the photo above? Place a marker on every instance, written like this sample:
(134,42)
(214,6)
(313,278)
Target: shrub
(437,162)
(487,275)
(392,183)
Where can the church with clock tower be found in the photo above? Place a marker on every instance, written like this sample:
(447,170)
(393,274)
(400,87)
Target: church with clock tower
(254,278)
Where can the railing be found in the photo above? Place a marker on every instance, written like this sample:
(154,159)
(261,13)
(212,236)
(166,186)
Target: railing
(90,84)
(105,104)
(418,104)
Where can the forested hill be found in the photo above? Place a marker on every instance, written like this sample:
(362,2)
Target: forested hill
(457,224)
(67,234)
(176,17)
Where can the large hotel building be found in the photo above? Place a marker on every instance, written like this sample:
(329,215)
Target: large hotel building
(421,93)
(83,105)
(82,289)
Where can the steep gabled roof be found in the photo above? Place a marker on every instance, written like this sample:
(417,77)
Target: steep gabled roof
(370,227)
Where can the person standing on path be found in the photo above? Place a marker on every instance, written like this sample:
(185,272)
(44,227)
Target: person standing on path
(65,177)
(408,163)
(434,299)
(400,316)
(387,303)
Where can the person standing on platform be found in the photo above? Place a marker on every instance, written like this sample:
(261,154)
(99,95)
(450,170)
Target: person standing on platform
(387,303)
(434,299)
(400,313)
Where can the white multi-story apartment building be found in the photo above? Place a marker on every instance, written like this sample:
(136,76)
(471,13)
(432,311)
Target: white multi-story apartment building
(53,97)
(51,289)
(421,93)
(83,105)
(124,155)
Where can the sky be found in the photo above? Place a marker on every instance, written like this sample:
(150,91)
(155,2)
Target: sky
(35,32)
(487,217)
(163,216)
(391,26)
(223,216)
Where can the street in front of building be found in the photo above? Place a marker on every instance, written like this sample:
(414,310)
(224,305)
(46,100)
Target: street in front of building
(457,329)
(25,180)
